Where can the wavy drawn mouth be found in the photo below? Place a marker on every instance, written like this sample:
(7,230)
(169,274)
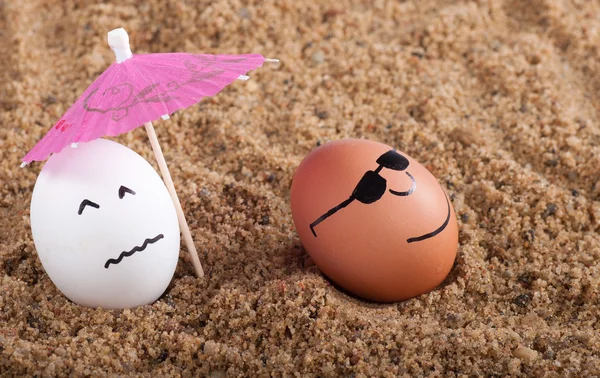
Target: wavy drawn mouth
(134,250)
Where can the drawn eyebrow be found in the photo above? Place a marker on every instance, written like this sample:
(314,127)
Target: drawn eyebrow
(123,190)
(87,202)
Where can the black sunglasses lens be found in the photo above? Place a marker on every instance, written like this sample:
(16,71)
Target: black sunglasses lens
(393,160)
(370,188)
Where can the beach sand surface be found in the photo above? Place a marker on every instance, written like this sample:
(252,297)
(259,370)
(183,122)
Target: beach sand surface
(500,100)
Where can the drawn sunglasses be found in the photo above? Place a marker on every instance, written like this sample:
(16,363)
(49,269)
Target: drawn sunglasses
(372,186)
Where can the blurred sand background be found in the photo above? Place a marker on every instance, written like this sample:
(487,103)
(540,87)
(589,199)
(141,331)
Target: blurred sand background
(499,99)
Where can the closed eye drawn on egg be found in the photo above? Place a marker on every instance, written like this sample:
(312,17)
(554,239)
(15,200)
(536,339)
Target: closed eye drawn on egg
(371,188)
(133,250)
(409,191)
(123,190)
(85,203)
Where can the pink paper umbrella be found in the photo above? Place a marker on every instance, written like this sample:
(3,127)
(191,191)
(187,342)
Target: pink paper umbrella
(138,89)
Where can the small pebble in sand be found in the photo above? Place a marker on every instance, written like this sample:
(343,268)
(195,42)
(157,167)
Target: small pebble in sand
(525,353)
(318,57)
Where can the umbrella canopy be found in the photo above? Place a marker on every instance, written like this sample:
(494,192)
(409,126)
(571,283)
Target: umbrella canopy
(137,89)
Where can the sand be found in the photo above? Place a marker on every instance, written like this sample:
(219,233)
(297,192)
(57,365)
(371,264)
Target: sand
(498,99)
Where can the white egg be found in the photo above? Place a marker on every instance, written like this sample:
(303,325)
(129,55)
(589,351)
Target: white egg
(104,226)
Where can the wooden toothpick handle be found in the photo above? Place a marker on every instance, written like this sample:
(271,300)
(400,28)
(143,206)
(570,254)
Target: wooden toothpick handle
(164,170)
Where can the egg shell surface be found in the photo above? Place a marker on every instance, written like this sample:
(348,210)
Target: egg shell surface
(394,248)
(120,249)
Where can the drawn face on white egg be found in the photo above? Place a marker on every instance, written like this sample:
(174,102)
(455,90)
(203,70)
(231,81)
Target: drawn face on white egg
(104,226)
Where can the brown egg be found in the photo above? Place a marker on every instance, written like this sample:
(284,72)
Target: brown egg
(374,220)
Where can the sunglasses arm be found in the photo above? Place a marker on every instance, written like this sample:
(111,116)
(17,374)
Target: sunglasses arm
(330,213)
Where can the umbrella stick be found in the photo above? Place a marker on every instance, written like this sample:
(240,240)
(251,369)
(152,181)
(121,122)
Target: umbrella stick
(185,230)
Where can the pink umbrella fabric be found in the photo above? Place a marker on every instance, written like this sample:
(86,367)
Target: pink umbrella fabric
(142,89)
(138,89)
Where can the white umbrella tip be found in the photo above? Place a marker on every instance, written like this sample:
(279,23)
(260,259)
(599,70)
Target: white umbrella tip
(272,60)
(118,38)
(23,165)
